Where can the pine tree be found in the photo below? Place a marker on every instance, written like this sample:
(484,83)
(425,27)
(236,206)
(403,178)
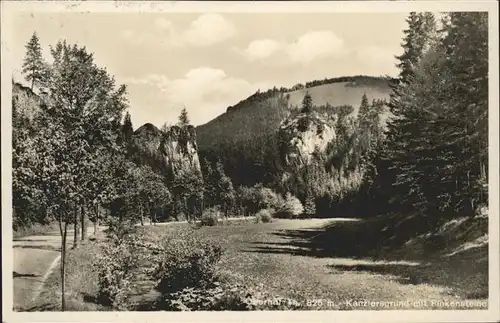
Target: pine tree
(183,118)
(307,104)
(127,129)
(466,43)
(34,67)
(405,124)
(438,151)
(364,113)
(418,36)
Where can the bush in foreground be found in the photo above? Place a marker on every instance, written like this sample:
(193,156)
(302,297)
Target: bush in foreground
(187,276)
(187,260)
(116,264)
(219,297)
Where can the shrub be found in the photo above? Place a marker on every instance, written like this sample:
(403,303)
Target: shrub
(257,197)
(268,199)
(210,217)
(219,297)
(187,260)
(115,267)
(119,230)
(264,216)
(291,208)
(179,217)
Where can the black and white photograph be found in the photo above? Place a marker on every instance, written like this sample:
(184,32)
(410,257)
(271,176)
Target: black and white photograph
(305,160)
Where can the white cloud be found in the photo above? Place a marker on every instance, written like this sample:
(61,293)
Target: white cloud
(315,45)
(305,49)
(208,29)
(262,48)
(205,92)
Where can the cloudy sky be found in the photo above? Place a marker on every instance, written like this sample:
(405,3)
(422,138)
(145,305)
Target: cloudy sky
(207,62)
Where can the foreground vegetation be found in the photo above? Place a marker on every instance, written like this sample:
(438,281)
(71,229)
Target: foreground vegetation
(279,265)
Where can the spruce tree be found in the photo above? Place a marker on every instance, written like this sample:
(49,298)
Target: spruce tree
(466,43)
(364,113)
(34,67)
(183,118)
(127,129)
(438,152)
(307,104)
(405,124)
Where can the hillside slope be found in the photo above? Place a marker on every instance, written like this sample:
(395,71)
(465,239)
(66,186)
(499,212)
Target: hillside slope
(261,114)
(337,94)
(244,137)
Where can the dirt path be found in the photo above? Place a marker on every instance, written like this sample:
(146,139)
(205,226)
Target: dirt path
(35,257)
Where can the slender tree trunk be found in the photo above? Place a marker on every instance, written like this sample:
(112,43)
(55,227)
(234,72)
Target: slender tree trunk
(83,222)
(154,217)
(202,206)
(64,233)
(75,228)
(142,214)
(96,222)
(150,216)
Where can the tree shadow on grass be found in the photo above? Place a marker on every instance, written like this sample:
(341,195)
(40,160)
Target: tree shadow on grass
(368,246)
(466,279)
(336,240)
(366,238)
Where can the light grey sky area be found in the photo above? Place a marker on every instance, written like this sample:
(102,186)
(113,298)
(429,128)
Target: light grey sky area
(207,62)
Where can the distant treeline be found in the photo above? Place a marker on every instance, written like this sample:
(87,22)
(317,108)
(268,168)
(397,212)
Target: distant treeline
(356,80)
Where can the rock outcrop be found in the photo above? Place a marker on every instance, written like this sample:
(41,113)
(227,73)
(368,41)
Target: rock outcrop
(176,148)
(302,135)
(24,101)
(179,147)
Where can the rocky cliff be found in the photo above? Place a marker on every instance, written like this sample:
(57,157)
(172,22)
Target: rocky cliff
(179,148)
(176,148)
(24,101)
(302,135)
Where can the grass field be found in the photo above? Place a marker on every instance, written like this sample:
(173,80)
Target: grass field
(283,259)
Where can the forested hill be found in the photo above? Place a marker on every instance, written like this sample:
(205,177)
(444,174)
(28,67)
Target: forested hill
(243,134)
(263,111)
